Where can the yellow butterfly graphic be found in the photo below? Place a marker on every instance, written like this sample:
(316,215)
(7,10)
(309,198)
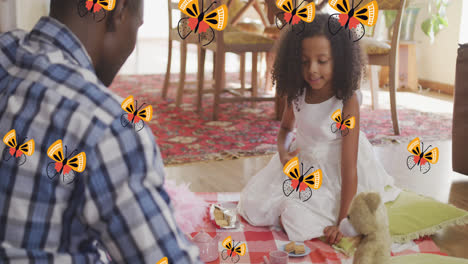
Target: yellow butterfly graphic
(233,251)
(15,149)
(64,165)
(163,261)
(199,22)
(293,14)
(352,18)
(421,157)
(299,182)
(342,124)
(135,116)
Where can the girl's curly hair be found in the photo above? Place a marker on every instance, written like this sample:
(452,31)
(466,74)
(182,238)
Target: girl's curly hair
(348,63)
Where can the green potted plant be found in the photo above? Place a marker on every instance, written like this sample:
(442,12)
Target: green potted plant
(431,25)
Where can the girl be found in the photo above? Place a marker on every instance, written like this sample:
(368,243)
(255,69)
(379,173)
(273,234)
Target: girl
(317,73)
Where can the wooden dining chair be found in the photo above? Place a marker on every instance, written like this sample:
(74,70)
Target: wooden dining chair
(181,83)
(382,54)
(235,42)
(174,36)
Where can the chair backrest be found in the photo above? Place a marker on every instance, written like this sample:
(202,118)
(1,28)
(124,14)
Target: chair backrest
(172,5)
(383,4)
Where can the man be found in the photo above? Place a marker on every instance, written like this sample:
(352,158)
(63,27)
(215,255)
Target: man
(53,87)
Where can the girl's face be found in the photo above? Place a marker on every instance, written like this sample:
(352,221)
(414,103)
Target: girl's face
(317,62)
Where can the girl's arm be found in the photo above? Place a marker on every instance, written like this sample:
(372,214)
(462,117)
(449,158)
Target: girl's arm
(349,154)
(285,133)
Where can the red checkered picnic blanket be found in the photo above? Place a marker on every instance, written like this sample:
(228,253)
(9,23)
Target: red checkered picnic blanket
(261,240)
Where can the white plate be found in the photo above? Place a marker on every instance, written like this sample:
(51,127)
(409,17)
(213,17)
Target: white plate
(307,252)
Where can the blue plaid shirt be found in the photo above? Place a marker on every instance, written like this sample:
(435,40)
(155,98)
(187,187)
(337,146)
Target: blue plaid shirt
(49,91)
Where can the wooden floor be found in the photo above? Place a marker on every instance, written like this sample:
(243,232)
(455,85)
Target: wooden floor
(440,183)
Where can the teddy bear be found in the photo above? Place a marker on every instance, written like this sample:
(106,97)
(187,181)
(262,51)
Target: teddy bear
(367,216)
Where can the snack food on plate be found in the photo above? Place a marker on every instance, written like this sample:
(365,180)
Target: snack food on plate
(290,247)
(299,249)
(223,217)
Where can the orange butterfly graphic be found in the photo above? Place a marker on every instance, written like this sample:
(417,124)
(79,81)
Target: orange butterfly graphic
(352,18)
(342,124)
(64,165)
(233,251)
(163,261)
(134,115)
(299,182)
(293,14)
(421,157)
(16,150)
(200,22)
(97,5)
(98,8)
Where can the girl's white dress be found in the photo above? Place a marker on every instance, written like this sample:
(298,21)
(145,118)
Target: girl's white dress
(262,201)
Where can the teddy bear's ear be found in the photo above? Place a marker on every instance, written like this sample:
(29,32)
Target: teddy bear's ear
(373,200)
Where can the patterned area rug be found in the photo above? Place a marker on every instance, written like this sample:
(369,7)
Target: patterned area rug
(184,136)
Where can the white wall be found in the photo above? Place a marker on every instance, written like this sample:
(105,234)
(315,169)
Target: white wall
(28,12)
(436,62)
(464,23)
(156,20)
(7,16)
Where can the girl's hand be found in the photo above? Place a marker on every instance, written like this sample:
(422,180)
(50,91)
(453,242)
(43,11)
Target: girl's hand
(287,156)
(332,234)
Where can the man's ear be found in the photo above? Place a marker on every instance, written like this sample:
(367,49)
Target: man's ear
(116,17)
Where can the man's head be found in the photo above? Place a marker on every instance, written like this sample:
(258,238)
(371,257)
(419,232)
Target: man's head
(108,42)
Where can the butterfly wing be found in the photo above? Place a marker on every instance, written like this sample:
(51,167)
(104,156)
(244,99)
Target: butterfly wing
(146,113)
(240,250)
(224,254)
(108,5)
(305,195)
(336,116)
(227,243)
(432,155)
(189,8)
(350,122)
(307,13)
(424,168)
(341,6)
(55,151)
(163,261)
(10,139)
(124,120)
(51,171)
(69,177)
(285,5)
(78,162)
(314,180)
(287,187)
(235,258)
(357,32)
(28,147)
(344,132)
(414,147)
(128,105)
(410,162)
(217,19)
(139,125)
(280,20)
(292,169)
(81,8)
(334,25)
(368,14)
